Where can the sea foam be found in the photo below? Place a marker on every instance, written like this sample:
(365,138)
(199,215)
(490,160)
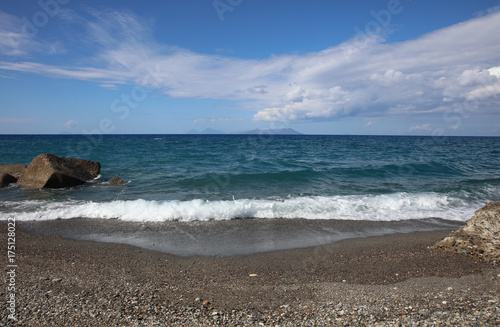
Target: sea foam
(388,207)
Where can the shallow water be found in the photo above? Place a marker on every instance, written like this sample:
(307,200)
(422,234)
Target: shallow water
(230,237)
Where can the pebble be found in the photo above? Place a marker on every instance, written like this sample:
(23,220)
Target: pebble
(112,300)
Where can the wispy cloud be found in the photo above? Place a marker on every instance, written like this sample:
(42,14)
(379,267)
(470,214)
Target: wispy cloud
(109,86)
(70,123)
(424,127)
(15,42)
(427,75)
(222,120)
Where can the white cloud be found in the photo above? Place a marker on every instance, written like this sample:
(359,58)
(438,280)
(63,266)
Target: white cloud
(424,127)
(301,105)
(450,65)
(109,86)
(391,77)
(495,71)
(14,41)
(481,83)
(70,123)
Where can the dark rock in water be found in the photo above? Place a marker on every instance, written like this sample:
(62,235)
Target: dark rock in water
(116,181)
(479,236)
(50,171)
(15,170)
(6,179)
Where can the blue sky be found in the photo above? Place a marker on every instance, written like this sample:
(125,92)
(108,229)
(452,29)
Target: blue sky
(320,67)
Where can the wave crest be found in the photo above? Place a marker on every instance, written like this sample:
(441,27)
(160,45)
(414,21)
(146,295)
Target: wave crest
(384,207)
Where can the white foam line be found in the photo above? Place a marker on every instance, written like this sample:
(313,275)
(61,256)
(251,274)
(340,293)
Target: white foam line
(399,206)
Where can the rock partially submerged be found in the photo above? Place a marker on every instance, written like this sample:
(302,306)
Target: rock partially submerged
(479,236)
(15,170)
(50,171)
(6,179)
(116,181)
(10,173)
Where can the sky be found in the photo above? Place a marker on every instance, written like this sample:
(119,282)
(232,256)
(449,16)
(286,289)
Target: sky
(394,67)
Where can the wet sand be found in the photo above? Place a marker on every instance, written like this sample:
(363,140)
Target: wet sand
(383,280)
(229,237)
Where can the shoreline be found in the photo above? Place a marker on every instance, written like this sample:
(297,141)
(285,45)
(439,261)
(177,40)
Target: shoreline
(230,237)
(375,280)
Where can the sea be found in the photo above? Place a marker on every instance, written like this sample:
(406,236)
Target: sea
(242,194)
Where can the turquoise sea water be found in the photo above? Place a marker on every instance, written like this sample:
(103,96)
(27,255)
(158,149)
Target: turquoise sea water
(223,177)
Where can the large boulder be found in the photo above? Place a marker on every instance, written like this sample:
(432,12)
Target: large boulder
(479,236)
(15,170)
(50,171)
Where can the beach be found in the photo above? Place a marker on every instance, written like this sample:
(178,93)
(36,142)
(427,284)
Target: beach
(381,281)
(335,164)
(239,230)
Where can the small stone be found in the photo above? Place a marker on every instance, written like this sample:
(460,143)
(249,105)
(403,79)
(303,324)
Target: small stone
(424,312)
(57,280)
(116,181)
(197,299)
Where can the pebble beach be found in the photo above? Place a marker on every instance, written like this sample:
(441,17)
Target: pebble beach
(393,280)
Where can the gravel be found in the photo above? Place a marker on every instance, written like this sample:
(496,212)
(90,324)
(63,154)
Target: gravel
(393,280)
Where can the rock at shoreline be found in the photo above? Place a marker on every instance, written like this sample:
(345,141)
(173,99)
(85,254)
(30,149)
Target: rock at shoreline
(10,173)
(479,236)
(6,179)
(15,170)
(50,171)
(116,181)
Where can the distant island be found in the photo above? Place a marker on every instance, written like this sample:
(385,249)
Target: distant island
(257,131)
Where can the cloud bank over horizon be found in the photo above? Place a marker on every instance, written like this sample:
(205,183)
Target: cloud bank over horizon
(453,70)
